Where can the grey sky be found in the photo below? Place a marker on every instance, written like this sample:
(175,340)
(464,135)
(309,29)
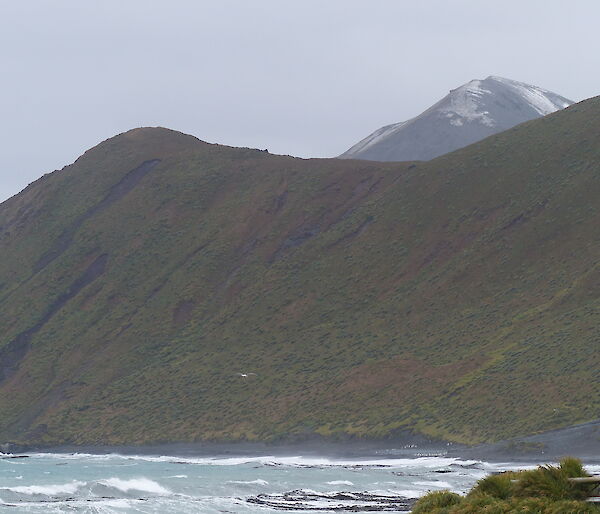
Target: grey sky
(307,78)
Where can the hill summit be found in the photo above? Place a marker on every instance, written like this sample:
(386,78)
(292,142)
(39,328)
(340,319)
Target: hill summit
(467,114)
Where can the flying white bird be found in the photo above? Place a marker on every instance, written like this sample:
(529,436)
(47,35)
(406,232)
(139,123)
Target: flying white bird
(244,375)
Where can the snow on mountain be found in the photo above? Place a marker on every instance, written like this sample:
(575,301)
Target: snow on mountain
(466,115)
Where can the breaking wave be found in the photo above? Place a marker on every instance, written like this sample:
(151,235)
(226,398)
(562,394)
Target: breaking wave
(144,485)
(273,460)
(258,481)
(48,490)
(154,484)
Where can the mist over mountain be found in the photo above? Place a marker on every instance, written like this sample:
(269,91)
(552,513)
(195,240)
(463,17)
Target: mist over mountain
(466,115)
(161,288)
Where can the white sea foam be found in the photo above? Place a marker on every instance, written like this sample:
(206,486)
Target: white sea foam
(49,490)
(294,461)
(136,484)
(258,481)
(440,484)
(409,493)
(506,466)
(98,506)
(166,486)
(119,503)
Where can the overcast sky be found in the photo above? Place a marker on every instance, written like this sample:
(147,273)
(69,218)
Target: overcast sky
(305,77)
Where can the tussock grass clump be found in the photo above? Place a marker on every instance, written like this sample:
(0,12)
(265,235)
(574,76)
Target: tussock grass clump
(572,507)
(573,467)
(552,481)
(477,504)
(495,486)
(437,502)
(545,490)
(546,482)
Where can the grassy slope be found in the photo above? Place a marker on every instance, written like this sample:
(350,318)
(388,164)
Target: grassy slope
(457,297)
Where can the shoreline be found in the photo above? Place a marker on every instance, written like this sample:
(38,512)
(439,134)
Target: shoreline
(581,441)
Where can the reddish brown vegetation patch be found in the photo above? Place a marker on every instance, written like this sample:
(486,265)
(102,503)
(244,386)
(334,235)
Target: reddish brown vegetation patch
(294,310)
(183,312)
(405,375)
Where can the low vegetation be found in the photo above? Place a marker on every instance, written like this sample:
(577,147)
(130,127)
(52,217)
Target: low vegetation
(165,289)
(545,490)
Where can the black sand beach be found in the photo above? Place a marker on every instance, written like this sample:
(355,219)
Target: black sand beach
(582,441)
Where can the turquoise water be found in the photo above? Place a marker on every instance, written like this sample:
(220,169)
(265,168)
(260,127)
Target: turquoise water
(84,483)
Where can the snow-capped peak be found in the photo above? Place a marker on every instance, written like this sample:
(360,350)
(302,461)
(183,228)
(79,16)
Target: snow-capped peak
(544,101)
(465,104)
(475,110)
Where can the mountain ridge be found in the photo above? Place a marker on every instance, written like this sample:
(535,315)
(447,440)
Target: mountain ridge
(455,298)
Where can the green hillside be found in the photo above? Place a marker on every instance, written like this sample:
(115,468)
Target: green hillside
(458,298)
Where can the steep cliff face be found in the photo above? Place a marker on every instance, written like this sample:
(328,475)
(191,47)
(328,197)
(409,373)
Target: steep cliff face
(164,289)
(466,115)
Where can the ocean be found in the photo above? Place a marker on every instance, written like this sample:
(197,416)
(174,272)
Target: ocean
(113,483)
